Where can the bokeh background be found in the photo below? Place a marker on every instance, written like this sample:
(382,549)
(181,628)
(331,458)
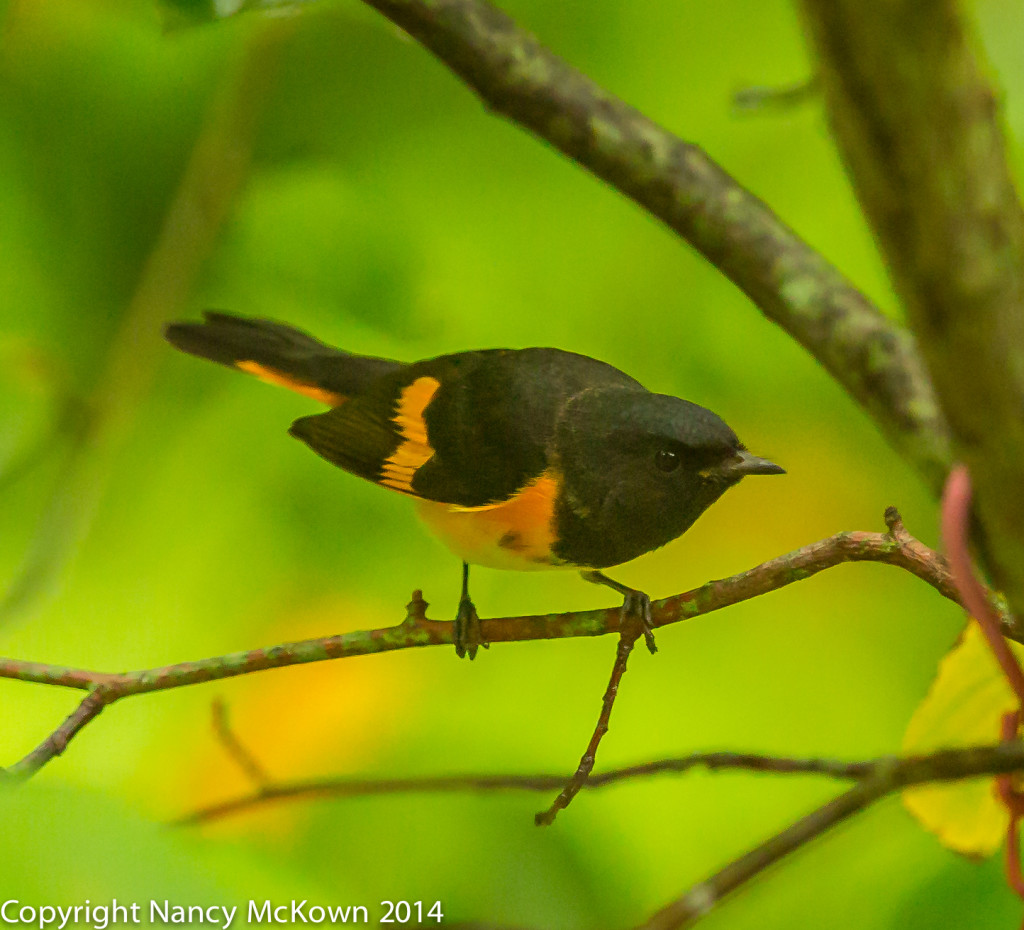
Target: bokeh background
(323,170)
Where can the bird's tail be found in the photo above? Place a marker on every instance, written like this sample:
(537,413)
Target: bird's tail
(279,355)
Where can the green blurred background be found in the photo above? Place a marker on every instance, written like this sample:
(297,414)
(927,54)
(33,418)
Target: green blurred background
(377,205)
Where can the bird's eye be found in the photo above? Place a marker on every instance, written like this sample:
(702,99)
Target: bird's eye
(666,460)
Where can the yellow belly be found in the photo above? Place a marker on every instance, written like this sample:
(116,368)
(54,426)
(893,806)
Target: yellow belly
(517,534)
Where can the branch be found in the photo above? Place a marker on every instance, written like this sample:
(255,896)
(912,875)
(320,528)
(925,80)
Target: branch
(874,359)
(308,789)
(758,99)
(627,640)
(55,744)
(918,125)
(895,547)
(266,790)
(239,754)
(944,765)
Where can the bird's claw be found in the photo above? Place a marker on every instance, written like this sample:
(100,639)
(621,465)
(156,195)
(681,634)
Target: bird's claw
(467,634)
(636,609)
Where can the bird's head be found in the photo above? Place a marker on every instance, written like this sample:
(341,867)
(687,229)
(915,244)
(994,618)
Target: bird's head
(639,469)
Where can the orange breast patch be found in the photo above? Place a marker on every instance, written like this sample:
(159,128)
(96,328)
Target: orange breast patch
(281,379)
(415,449)
(515,534)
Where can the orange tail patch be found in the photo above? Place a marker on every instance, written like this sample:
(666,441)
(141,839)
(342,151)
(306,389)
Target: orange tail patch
(283,379)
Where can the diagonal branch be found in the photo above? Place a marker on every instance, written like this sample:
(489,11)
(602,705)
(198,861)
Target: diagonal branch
(874,359)
(886,776)
(239,754)
(895,547)
(54,745)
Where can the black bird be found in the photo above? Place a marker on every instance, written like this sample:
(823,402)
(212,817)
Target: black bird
(517,458)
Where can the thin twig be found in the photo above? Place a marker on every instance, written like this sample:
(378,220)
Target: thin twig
(545,818)
(759,99)
(946,765)
(54,745)
(238,754)
(896,547)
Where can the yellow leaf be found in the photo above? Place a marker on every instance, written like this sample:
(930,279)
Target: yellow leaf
(963,707)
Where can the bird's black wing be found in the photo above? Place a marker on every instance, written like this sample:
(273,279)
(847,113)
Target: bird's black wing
(469,429)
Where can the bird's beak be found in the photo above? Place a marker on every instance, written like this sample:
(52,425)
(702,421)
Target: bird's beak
(742,464)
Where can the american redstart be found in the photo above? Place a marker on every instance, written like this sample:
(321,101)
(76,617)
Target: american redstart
(517,458)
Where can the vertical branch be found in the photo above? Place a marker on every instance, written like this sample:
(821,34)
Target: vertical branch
(918,126)
(627,639)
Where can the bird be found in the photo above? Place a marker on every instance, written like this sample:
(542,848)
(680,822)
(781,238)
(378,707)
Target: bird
(520,459)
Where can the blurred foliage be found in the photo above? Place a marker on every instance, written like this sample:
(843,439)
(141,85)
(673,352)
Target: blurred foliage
(386,212)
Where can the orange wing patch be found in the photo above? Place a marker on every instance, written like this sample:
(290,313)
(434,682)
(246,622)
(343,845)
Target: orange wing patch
(515,534)
(282,379)
(415,450)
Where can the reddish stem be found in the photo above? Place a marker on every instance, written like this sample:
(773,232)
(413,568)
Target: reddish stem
(956,515)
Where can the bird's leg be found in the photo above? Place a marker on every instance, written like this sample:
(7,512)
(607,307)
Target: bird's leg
(636,605)
(467,634)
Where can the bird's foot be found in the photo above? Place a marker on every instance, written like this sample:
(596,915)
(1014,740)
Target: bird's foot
(636,610)
(636,606)
(467,634)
